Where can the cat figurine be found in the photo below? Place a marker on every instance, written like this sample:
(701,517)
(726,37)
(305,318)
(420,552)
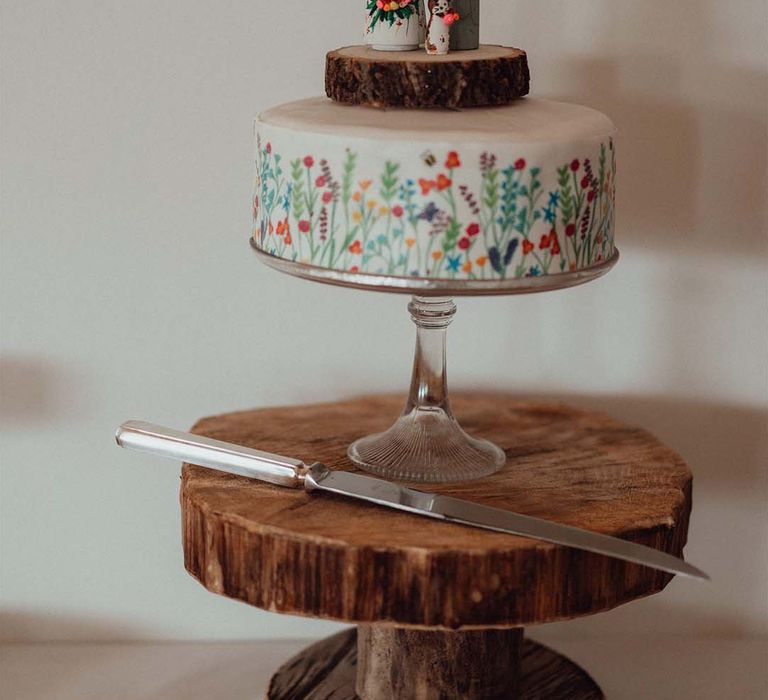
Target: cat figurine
(440,17)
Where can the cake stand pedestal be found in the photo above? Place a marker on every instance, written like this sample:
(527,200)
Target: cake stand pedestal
(426,443)
(439,608)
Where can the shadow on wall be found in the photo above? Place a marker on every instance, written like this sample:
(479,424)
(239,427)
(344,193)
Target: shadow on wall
(36,390)
(693,130)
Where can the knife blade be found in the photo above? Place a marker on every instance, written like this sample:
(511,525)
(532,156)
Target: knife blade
(294,473)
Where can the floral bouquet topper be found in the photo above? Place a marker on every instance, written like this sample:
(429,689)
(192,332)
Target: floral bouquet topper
(391,12)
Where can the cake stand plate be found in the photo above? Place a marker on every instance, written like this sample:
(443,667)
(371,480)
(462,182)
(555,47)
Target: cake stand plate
(428,286)
(426,443)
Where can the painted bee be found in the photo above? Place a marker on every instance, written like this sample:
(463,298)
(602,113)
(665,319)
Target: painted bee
(429,158)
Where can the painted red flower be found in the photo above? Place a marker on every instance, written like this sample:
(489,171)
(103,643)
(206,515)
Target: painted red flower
(304,226)
(288,239)
(356,248)
(464,243)
(570,229)
(269,147)
(309,161)
(575,165)
(584,182)
(527,247)
(473,229)
(443,182)
(427,185)
(327,197)
(452,161)
(354,268)
(545,242)
(555,248)
(591,196)
(397,211)
(319,181)
(520,164)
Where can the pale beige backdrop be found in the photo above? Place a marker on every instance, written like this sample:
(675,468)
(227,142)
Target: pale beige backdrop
(128,288)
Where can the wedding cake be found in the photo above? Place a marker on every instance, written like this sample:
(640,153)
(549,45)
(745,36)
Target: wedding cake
(434,165)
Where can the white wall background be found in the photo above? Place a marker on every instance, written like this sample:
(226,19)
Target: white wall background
(128,288)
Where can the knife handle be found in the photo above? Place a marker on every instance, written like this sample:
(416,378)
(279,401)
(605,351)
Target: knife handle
(214,454)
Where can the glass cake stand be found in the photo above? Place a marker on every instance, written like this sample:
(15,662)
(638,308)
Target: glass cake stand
(426,443)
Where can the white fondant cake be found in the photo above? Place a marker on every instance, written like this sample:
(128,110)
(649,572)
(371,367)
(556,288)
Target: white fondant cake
(483,194)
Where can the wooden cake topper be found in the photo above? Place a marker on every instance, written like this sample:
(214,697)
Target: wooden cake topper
(465,35)
(404,25)
(394,25)
(440,17)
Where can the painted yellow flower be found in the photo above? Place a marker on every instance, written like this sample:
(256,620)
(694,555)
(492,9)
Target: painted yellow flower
(467,266)
(371,203)
(383,211)
(436,255)
(365,184)
(356,216)
(356,196)
(481,261)
(410,242)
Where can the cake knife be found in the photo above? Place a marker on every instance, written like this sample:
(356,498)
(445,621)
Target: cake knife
(293,473)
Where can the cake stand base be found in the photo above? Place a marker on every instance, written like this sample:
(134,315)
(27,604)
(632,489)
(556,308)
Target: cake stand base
(426,443)
(391,663)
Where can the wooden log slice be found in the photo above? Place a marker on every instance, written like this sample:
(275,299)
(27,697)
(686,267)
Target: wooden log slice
(332,557)
(488,76)
(328,669)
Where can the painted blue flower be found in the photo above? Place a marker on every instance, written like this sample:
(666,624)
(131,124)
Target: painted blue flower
(382,239)
(397,233)
(370,245)
(535,171)
(453,263)
(535,271)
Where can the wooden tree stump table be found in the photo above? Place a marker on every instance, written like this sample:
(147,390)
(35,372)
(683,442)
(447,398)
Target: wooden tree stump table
(439,608)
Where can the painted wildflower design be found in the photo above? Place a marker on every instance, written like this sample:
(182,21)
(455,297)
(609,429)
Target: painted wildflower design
(390,11)
(435,226)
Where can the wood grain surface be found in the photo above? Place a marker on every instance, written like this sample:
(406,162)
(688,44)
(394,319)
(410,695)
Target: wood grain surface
(405,663)
(487,76)
(335,558)
(328,670)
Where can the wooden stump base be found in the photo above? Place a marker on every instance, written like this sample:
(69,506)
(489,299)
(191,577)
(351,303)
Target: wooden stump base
(440,607)
(339,667)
